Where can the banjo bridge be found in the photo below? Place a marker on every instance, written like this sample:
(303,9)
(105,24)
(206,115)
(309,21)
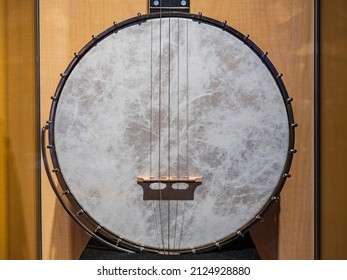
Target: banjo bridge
(169,192)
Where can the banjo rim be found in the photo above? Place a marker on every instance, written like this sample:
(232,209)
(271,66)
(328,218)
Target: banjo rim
(86,221)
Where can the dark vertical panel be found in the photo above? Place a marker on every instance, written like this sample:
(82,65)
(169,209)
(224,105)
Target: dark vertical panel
(333,129)
(3,136)
(317,218)
(38,125)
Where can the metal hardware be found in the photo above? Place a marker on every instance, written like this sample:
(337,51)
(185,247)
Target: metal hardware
(49,147)
(246,37)
(239,233)
(66,192)
(225,23)
(261,219)
(166,253)
(280,75)
(44,128)
(294,125)
(55,170)
(97,229)
(62,75)
(275,198)
(264,54)
(286,175)
(157,6)
(118,241)
(80,212)
(290,100)
(53,98)
(115,24)
(293,151)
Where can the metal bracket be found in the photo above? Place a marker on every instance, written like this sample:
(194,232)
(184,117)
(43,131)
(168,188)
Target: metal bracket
(156,6)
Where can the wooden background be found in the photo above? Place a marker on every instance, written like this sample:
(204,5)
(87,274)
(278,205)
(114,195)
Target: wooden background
(283,28)
(18,131)
(333,129)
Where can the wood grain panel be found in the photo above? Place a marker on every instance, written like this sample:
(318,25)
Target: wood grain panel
(333,129)
(3,165)
(283,28)
(20,128)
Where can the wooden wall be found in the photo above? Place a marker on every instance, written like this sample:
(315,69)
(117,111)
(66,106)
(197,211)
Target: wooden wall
(333,129)
(18,132)
(283,28)
(3,165)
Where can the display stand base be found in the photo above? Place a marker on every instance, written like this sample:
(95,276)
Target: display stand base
(239,249)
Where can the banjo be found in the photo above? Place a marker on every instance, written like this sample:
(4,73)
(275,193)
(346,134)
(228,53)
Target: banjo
(169,133)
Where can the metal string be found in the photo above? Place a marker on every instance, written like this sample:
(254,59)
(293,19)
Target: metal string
(187,123)
(169,120)
(178,122)
(159,160)
(151,137)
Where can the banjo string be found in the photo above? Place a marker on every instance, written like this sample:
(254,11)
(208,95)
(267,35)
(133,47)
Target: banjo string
(178,124)
(187,124)
(151,141)
(159,159)
(169,125)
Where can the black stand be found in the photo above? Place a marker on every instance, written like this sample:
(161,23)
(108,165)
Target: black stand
(239,249)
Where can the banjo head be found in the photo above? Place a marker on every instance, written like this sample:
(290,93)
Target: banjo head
(170,134)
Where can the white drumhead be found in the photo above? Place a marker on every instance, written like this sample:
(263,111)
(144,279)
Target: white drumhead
(218,113)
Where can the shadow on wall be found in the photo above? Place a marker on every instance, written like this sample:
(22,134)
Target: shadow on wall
(68,238)
(19,101)
(265,234)
(18,240)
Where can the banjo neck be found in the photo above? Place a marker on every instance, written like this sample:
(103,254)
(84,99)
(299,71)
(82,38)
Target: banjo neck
(158,6)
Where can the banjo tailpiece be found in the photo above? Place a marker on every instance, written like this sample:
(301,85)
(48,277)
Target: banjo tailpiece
(169,192)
